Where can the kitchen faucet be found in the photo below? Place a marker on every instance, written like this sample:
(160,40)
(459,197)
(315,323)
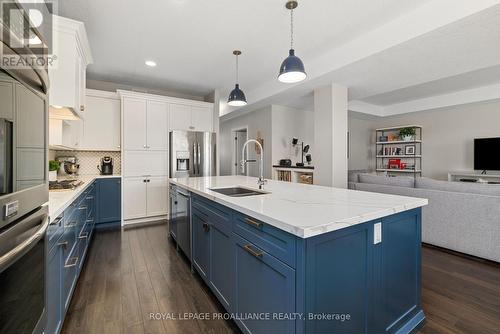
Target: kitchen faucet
(261,182)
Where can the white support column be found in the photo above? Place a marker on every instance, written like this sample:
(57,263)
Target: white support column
(216,127)
(330,136)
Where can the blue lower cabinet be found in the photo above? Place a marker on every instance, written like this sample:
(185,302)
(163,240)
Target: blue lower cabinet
(337,278)
(201,243)
(397,275)
(54,298)
(221,261)
(109,202)
(264,286)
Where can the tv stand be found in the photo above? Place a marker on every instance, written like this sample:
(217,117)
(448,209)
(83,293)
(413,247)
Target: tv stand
(472,175)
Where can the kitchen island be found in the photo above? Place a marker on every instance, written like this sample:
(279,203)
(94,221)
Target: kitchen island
(307,259)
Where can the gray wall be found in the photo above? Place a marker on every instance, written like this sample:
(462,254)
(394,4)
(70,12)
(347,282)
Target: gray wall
(256,121)
(277,126)
(448,135)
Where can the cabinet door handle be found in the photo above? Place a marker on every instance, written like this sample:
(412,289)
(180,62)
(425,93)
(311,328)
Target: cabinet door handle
(72,224)
(82,108)
(72,261)
(56,221)
(253,223)
(63,244)
(84,235)
(249,249)
(206,227)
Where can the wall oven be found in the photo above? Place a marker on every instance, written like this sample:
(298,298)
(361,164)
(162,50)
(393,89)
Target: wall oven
(23,184)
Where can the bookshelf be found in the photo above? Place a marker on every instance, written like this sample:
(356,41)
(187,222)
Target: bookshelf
(396,155)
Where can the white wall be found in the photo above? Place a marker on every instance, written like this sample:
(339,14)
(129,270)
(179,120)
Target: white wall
(448,136)
(256,121)
(277,126)
(286,124)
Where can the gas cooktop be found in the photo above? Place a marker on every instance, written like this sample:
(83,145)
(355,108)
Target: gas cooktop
(64,184)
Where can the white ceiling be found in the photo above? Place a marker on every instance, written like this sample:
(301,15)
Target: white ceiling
(192,40)
(387,52)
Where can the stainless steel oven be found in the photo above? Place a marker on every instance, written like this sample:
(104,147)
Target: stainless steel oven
(23,182)
(22,274)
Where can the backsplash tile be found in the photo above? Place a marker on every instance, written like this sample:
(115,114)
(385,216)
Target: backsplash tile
(89,160)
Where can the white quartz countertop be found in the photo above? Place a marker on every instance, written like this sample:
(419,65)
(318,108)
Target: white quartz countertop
(59,200)
(300,209)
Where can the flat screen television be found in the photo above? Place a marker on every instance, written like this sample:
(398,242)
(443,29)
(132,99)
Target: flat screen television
(487,153)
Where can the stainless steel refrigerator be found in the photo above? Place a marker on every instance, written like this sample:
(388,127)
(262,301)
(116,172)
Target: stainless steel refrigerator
(192,154)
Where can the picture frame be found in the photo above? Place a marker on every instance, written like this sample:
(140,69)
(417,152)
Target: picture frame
(410,150)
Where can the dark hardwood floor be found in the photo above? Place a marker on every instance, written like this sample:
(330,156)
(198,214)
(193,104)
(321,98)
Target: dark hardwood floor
(131,274)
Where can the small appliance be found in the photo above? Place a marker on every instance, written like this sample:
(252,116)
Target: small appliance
(106,166)
(285,162)
(69,166)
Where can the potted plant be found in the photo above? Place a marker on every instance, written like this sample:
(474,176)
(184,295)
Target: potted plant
(53,168)
(407,134)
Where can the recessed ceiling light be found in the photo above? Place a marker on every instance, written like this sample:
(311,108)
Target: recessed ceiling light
(150,63)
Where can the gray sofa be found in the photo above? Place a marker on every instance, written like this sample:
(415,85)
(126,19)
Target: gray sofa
(463,217)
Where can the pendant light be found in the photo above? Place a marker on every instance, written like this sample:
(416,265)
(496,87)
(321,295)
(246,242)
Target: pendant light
(237,97)
(292,69)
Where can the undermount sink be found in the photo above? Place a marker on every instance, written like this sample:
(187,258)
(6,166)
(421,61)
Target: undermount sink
(238,191)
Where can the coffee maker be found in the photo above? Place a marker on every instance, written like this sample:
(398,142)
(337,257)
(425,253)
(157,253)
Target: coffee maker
(106,167)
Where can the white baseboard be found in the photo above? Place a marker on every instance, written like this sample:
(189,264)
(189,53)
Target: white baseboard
(144,221)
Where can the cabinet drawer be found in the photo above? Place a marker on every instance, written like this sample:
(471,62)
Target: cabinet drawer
(274,241)
(215,213)
(54,231)
(263,285)
(68,238)
(70,263)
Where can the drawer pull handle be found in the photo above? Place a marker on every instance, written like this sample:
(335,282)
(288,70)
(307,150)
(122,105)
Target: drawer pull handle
(56,221)
(72,224)
(206,227)
(63,244)
(253,223)
(249,249)
(90,197)
(72,261)
(83,207)
(84,235)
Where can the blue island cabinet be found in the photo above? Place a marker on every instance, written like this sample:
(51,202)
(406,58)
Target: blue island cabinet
(359,279)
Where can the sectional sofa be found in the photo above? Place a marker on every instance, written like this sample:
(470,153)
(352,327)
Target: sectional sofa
(464,217)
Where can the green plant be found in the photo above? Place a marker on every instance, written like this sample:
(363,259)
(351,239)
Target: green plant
(407,132)
(54,165)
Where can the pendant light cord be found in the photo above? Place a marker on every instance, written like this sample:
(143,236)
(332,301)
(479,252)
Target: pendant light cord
(237,69)
(291,28)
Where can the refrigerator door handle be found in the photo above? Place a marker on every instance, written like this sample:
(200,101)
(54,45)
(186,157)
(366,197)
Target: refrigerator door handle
(199,158)
(194,158)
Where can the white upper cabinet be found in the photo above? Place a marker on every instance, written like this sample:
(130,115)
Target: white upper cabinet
(134,123)
(157,125)
(191,117)
(101,126)
(67,73)
(180,117)
(201,118)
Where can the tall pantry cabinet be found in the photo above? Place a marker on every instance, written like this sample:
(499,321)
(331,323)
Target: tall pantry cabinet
(146,122)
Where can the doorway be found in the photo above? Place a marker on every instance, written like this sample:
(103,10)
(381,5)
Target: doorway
(240,136)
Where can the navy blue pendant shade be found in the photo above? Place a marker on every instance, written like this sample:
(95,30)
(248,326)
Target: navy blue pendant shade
(292,69)
(237,97)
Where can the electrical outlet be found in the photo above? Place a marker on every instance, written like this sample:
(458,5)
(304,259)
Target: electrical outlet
(377,233)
